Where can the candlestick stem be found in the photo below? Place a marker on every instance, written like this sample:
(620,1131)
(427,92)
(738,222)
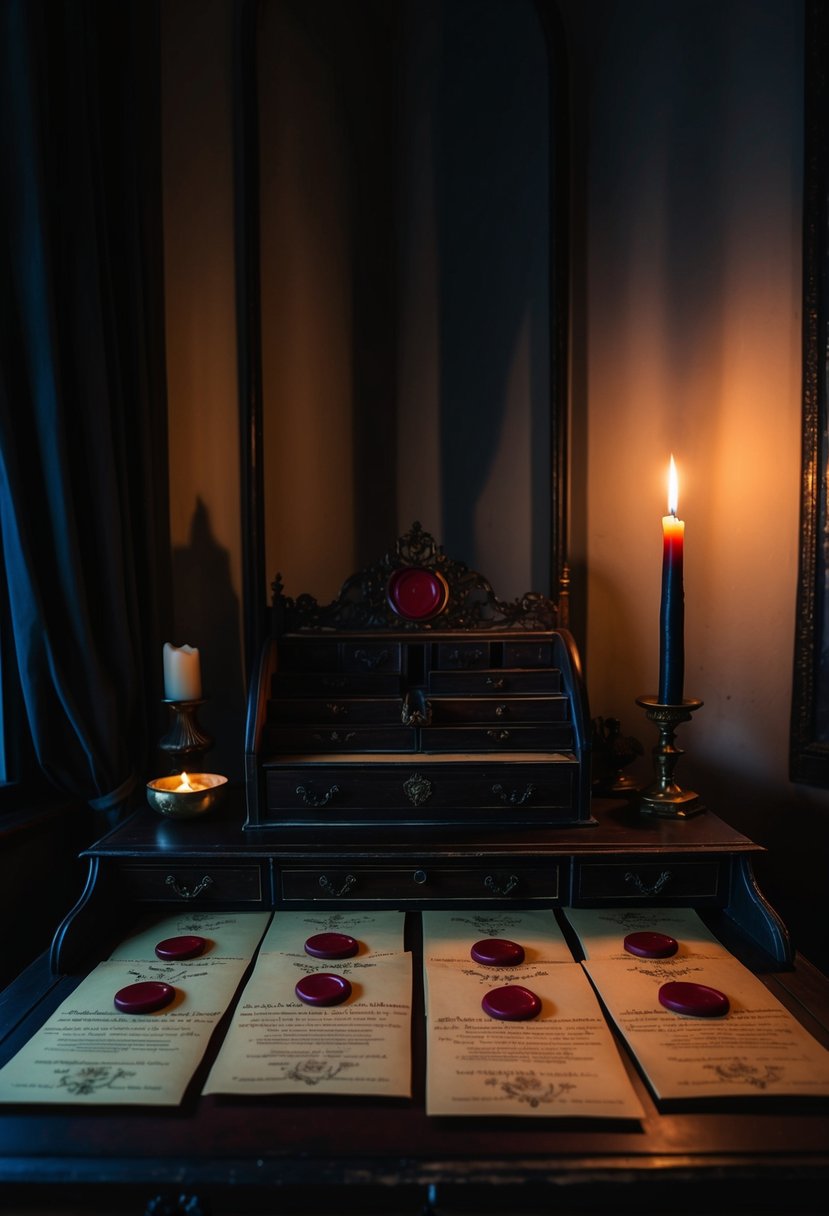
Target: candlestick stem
(184,741)
(664,797)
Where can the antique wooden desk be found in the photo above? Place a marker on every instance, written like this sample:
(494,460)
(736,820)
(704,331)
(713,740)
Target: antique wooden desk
(305,1155)
(416,744)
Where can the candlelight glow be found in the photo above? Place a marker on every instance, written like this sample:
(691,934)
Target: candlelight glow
(673,489)
(185,786)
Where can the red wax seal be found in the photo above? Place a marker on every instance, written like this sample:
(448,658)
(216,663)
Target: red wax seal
(173,949)
(650,945)
(331,945)
(323,989)
(497,952)
(416,594)
(511,1004)
(698,1000)
(145,997)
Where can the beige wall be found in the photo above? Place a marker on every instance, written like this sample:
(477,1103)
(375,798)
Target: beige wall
(687,220)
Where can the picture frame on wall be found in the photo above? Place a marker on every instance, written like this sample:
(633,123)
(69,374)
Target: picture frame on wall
(809,745)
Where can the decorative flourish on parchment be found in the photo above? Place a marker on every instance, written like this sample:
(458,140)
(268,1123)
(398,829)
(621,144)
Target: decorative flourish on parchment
(311,1072)
(747,1073)
(529,1088)
(492,925)
(92,1078)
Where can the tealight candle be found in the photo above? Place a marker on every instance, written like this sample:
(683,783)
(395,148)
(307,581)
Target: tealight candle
(182,673)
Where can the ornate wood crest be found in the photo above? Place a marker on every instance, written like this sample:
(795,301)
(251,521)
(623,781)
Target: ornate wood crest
(415,586)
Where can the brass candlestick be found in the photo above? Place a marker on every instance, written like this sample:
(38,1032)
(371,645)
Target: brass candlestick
(185,741)
(665,798)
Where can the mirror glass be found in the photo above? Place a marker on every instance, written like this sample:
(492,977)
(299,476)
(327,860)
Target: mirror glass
(412,317)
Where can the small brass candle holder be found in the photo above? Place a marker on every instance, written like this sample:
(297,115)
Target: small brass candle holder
(664,797)
(184,741)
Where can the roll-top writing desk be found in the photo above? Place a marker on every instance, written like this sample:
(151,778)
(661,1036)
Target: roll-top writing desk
(418,744)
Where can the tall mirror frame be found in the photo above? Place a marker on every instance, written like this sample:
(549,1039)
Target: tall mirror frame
(257,579)
(809,740)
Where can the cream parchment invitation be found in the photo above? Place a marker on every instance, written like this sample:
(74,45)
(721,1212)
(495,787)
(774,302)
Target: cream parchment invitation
(91,1054)
(562,1063)
(228,934)
(448,936)
(278,1045)
(602,931)
(757,1048)
(377,932)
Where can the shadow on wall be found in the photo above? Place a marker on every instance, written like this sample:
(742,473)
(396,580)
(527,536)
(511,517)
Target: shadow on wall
(206,615)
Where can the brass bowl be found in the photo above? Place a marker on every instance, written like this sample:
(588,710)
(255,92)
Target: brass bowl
(165,797)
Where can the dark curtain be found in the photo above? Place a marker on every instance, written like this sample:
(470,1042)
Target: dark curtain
(83,496)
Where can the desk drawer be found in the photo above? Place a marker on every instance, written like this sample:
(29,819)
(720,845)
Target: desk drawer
(422,789)
(188,883)
(402,885)
(662,882)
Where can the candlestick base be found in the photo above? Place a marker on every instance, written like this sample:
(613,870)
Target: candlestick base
(185,741)
(664,797)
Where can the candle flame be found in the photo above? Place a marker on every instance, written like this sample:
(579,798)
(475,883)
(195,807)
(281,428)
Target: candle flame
(184,786)
(673,488)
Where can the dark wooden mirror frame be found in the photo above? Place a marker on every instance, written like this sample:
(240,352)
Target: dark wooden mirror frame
(809,745)
(255,578)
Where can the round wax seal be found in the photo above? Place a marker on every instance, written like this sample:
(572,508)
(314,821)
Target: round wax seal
(650,945)
(332,945)
(511,1004)
(497,952)
(698,1000)
(173,949)
(416,594)
(323,989)
(145,997)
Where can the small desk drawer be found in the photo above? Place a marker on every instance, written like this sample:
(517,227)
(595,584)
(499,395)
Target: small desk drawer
(498,883)
(647,881)
(195,884)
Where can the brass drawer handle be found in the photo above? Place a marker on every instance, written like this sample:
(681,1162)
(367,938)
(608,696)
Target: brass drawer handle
(498,736)
(465,658)
(371,661)
(184,892)
(328,886)
(501,711)
(317,800)
(661,882)
(513,797)
(333,736)
(337,710)
(498,684)
(491,883)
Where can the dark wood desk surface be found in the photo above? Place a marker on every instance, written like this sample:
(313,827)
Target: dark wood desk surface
(359,1155)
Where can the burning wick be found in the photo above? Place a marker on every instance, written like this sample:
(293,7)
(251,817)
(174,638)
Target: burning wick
(185,786)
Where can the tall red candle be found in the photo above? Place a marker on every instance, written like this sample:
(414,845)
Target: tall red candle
(672,607)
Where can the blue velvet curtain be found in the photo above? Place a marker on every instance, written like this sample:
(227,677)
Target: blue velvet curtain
(83,506)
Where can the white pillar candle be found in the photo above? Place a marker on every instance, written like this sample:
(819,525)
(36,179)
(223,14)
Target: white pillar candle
(182,674)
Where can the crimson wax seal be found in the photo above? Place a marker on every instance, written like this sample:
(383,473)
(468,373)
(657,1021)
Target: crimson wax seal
(511,1004)
(698,1000)
(174,949)
(323,988)
(331,945)
(416,593)
(145,997)
(651,945)
(497,952)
